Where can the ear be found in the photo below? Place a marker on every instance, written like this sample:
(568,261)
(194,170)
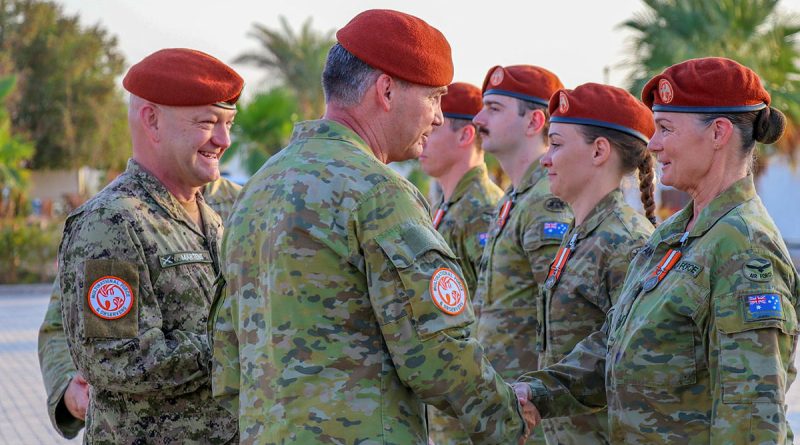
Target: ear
(466,136)
(721,132)
(149,116)
(601,151)
(385,88)
(536,123)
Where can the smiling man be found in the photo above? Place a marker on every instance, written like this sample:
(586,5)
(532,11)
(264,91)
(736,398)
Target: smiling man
(138,261)
(345,310)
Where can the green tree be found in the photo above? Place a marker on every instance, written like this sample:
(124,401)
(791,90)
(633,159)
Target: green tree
(263,126)
(753,32)
(295,59)
(15,151)
(68,101)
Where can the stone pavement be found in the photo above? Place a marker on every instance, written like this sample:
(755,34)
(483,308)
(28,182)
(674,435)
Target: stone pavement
(23,410)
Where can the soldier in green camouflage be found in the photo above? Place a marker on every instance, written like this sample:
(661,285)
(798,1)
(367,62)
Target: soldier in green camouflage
(138,262)
(530,221)
(67,391)
(586,164)
(452,155)
(699,349)
(344,311)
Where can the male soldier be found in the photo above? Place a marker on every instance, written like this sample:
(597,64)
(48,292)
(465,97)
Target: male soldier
(138,261)
(346,311)
(67,391)
(453,155)
(530,222)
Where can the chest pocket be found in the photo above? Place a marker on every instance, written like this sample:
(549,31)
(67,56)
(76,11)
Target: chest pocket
(659,344)
(184,289)
(421,261)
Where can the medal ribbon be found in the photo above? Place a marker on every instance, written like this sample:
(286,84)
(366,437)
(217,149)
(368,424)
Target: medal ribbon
(560,261)
(437,217)
(668,261)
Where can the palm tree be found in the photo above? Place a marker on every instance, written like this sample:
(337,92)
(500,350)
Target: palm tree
(752,32)
(296,59)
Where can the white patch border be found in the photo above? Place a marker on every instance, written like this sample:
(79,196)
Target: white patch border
(563,103)
(437,275)
(126,289)
(665,83)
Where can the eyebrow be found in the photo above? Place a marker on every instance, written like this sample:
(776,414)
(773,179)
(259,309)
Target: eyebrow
(662,119)
(492,102)
(555,133)
(440,90)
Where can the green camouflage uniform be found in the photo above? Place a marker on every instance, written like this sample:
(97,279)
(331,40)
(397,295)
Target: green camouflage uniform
(575,306)
(465,225)
(149,369)
(54,360)
(515,264)
(328,333)
(707,355)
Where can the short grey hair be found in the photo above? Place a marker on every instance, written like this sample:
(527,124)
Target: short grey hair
(346,78)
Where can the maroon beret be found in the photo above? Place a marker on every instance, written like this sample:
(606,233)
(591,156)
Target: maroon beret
(184,77)
(526,82)
(462,101)
(603,106)
(400,45)
(707,85)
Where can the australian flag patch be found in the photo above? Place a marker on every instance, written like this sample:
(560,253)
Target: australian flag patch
(482,238)
(554,230)
(763,306)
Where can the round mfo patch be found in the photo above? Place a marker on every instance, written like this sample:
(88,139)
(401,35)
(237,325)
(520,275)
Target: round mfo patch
(665,91)
(563,103)
(497,76)
(110,297)
(448,291)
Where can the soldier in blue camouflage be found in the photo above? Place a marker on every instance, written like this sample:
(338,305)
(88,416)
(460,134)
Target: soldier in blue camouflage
(345,312)
(452,155)
(586,163)
(138,262)
(700,347)
(530,222)
(67,391)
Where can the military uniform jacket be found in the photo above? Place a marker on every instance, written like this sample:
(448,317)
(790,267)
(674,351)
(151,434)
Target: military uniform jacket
(516,261)
(137,277)
(467,216)
(345,310)
(706,356)
(54,360)
(575,306)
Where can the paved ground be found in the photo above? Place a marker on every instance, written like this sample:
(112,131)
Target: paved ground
(23,413)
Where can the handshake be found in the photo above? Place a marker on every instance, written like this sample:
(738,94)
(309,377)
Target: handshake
(529,412)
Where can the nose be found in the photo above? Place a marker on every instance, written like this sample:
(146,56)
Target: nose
(479,118)
(655,143)
(546,160)
(221,137)
(438,118)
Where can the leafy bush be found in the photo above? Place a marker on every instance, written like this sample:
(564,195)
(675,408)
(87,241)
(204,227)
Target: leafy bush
(28,250)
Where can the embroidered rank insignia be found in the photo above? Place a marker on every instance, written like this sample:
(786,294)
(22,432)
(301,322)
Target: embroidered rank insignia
(758,269)
(482,238)
(763,306)
(554,230)
(448,291)
(110,297)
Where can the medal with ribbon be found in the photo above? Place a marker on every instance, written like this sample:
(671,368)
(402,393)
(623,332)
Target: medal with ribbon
(666,264)
(505,211)
(439,215)
(560,262)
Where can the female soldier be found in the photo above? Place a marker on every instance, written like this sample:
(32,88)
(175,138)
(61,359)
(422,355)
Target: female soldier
(598,134)
(699,347)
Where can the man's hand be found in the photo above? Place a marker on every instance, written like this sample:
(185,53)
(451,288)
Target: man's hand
(529,411)
(76,397)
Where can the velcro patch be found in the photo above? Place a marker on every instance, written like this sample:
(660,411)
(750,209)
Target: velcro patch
(178,258)
(448,291)
(762,306)
(689,267)
(482,238)
(110,307)
(554,230)
(758,269)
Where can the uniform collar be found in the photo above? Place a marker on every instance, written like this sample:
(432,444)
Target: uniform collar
(741,191)
(328,129)
(612,201)
(475,174)
(536,172)
(164,198)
